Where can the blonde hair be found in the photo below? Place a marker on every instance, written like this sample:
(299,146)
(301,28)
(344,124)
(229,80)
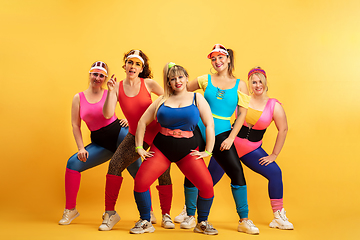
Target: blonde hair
(263,80)
(168,73)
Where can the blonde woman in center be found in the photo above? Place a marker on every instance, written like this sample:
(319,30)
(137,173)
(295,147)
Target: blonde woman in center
(178,113)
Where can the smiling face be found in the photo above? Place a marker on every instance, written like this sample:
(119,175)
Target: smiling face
(257,86)
(219,61)
(133,67)
(177,82)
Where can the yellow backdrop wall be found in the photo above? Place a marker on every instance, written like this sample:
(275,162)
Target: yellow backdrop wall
(310,50)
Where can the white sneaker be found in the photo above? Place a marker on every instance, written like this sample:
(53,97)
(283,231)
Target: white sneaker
(109,222)
(180,218)
(142,226)
(167,222)
(206,228)
(247,226)
(189,222)
(152,218)
(280,221)
(68,216)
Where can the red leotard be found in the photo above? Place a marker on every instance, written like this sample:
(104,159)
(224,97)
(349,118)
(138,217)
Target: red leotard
(134,107)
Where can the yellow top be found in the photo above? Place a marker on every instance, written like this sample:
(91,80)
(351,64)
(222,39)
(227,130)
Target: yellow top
(252,116)
(203,81)
(243,99)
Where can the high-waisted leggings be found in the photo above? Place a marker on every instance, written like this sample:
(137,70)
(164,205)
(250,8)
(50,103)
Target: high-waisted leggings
(99,155)
(194,169)
(271,172)
(226,161)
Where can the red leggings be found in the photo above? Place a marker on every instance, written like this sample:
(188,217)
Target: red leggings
(195,170)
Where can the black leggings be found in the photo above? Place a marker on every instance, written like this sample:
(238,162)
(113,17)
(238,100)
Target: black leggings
(227,159)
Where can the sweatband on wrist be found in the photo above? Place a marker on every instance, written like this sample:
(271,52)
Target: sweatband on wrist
(136,148)
(209,153)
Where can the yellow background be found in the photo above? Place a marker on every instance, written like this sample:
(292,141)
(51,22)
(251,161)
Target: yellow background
(310,50)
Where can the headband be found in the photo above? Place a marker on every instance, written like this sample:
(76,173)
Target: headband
(136,54)
(256,70)
(99,67)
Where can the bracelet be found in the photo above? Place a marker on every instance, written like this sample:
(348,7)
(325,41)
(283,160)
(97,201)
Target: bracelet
(209,153)
(136,148)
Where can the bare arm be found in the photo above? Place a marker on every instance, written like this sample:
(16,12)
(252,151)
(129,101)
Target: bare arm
(111,98)
(193,85)
(207,119)
(243,87)
(154,87)
(227,143)
(241,113)
(76,126)
(146,118)
(281,124)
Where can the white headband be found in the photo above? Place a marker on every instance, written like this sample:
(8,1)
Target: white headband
(136,54)
(98,67)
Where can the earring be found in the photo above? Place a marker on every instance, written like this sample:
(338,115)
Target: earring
(211,71)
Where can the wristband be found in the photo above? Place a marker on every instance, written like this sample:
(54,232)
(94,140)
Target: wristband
(209,153)
(136,148)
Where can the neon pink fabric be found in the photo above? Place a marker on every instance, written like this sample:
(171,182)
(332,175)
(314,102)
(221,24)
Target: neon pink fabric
(92,113)
(72,184)
(276,204)
(112,188)
(165,196)
(244,146)
(134,107)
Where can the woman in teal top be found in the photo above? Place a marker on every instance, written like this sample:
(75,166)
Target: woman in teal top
(224,93)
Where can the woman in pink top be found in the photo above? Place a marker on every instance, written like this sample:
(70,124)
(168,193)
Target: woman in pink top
(133,95)
(106,135)
(262,111)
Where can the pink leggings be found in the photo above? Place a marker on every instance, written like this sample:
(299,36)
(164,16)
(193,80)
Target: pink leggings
(194,169)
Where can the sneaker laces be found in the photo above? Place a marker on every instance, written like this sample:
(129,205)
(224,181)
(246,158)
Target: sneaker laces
(283,216)
(209,226)
(139,224)
(250,223)
(66,213)
(188,219)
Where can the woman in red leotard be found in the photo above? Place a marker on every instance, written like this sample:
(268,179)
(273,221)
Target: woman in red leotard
(133,95)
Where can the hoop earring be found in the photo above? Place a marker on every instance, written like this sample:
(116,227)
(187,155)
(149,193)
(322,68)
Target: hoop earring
(211,71)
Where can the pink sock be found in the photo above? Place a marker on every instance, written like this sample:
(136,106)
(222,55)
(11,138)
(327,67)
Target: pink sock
(72,184)
(165,195)
(112,188)
(276,204)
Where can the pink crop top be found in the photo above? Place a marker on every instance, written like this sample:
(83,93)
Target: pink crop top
(92,113)
(244,146)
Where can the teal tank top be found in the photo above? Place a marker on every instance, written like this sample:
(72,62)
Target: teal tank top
(223,104)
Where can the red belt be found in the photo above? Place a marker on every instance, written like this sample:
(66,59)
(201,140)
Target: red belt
(177,133)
